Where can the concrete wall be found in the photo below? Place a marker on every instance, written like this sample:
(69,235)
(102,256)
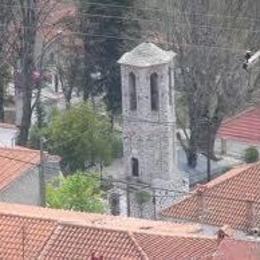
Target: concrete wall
(25,190)
(233,148)
(7,137)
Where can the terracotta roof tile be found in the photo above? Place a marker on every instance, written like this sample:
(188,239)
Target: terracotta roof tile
(166,247)
(230,249)
(37,233)
(233,199)
(77,242)
(244,127)
(23,238)
(59,234)
(14,162)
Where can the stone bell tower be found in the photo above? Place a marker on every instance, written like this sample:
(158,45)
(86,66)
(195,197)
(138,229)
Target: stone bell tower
(149,127)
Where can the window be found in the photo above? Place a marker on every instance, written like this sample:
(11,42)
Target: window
(132,90)
(154,92)
(135,167)
(115,204)
(170,86)
(56,83)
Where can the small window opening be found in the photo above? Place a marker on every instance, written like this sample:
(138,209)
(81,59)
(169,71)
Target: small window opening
(115,204)
(135,167)
(132,88)
(56,83)
(154,92)
(170,87)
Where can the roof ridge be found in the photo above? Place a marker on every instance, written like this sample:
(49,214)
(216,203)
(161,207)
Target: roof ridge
(139,248)
(230,175)
(249,109)
(20,149)
(27,217)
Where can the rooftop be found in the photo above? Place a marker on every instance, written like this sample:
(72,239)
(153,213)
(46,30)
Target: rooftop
(244,127)
(231,249)
(146,55)
(14,162)
(32,232)
(232,199)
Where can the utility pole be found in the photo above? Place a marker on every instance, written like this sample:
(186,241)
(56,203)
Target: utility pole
(42,174)
(154,204)
(128,200)
(208,152)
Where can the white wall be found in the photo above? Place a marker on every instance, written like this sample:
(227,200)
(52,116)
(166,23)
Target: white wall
(234,148)
(7,137)
(25,190)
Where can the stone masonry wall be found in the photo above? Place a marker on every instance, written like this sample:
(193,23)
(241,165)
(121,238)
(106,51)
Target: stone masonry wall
(150,137)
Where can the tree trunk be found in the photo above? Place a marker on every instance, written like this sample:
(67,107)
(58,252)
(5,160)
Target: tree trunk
(192,151)
(27,67)
(2,114)
(26,111)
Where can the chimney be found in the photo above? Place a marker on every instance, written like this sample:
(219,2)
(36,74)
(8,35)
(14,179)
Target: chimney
(251,214)
(223,233)
(8,134)
(202,202)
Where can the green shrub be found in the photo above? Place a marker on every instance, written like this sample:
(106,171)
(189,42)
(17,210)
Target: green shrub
(142,197)
(251,155)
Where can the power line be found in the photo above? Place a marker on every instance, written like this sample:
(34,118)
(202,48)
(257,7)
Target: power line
(149,20)
(174,23)
(185,45)
(159,10)
(144,186)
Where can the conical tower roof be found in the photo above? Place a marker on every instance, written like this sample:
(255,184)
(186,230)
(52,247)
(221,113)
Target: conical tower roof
(146,55)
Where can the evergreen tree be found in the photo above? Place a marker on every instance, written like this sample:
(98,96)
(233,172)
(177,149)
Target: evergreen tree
(105,29)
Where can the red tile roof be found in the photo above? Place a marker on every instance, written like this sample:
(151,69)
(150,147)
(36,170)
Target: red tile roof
(167,247)
(23,238)
(230,249)
(232,199)
(14,162)
(35,232)
(77,242)
(244,127)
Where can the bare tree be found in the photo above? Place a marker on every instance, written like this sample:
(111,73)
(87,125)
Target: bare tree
(68,67)
(30,44)
(210,39)
(5,18)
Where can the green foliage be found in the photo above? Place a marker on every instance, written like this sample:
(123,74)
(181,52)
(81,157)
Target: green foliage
(117,146)
(79,192)
(82,138)
(142,197)
(34,137)
(251,155)
(102,53)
